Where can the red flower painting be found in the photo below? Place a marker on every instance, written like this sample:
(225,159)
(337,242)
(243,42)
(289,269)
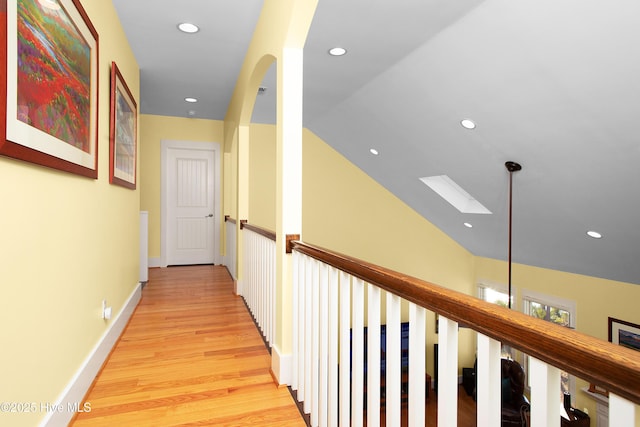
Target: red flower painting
(54,73)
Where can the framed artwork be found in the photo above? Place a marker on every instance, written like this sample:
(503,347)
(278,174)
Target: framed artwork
(49,49)
(122,132)
(624,333)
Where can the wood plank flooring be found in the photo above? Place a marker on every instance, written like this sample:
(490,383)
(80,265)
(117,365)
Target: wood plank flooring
(191,355)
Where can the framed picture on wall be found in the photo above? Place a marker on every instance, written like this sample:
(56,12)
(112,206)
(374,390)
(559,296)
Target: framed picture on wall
(122,132)
(624,333)
(50,116)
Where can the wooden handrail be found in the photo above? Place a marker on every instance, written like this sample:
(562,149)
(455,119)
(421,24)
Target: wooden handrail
(259,230)
(610,366)
(227,218)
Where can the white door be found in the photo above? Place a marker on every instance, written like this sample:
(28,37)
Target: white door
(190,205)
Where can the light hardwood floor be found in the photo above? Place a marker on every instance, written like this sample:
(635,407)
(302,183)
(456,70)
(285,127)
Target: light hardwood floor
(191,355)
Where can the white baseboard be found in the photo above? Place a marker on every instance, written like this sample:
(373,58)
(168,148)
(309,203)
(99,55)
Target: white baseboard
(155,262)
(75,392)
(281,366)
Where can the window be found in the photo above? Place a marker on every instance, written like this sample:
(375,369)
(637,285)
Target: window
(497,294)
(556,310)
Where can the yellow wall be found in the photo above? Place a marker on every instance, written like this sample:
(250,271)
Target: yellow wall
(67,243)
(347,211)
(262,176)
(154,129)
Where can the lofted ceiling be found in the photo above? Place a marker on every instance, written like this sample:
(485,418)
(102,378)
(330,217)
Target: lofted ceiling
(551,84)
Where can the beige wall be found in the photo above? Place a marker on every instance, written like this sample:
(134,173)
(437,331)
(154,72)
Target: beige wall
(67,243)
(262,176)
(153,129)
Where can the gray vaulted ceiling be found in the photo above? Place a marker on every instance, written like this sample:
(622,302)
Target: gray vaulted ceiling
(551,84)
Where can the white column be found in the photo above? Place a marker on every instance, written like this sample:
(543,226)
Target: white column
(288,192)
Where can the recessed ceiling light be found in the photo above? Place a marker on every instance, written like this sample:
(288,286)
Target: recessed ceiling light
(454,194)
(374,151)
(466,224)
(594,234)
(467,124)
(337,51)
(187,27)
(188,99)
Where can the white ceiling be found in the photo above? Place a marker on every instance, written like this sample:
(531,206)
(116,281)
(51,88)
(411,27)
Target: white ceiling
(551,84)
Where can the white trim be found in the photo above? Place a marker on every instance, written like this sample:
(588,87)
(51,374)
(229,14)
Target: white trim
(281,366)
(165,144)
(155,262)
(79,385)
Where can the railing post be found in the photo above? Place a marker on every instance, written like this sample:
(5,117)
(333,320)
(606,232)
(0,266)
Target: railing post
(447,373)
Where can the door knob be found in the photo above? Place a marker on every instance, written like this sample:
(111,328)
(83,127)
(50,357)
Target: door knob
(209,216)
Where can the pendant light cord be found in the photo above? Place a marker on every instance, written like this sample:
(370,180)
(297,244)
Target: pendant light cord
(511,167)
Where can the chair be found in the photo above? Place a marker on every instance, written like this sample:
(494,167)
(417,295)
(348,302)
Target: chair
(515,406)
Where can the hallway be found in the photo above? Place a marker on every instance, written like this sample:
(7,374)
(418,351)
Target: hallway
(191,355)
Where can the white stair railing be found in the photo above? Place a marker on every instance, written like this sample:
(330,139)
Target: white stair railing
(331,300)
(259,278)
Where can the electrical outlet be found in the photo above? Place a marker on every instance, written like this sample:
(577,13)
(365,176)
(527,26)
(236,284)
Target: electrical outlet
(106,311)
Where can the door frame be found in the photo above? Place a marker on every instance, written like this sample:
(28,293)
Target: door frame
(165,145)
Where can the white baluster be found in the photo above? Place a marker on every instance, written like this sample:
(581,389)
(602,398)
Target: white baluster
(373,355)
(332,404)
(545,393)
(357,350)
(324,344)
(447,373)
(417,359)
(393,368)
(295,327)
(621,411)
(345,349)
(488,377)
(315,342)
(307,335)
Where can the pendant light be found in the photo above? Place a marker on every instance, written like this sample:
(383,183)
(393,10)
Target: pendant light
(511,167)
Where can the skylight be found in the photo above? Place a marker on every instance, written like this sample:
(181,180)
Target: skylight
(454,194)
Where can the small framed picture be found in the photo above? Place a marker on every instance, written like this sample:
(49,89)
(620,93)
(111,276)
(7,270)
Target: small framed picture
(123,128)
(624,333)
